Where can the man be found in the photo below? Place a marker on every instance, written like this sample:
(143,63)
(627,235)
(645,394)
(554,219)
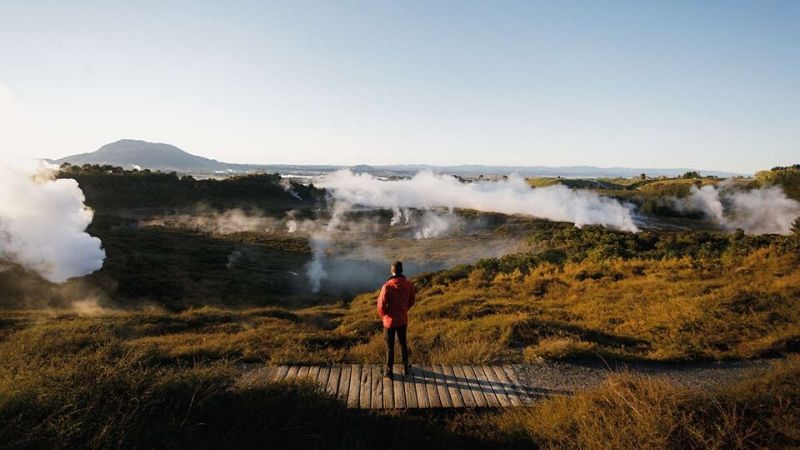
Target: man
(396,298)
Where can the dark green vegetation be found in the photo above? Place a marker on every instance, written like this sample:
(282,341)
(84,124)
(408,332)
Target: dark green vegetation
(179,266)
(100,376)
(109,188)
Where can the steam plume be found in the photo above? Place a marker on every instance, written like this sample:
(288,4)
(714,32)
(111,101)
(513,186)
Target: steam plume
(436,194)
(514,196)
(756,211)
(206,219)
(43,225)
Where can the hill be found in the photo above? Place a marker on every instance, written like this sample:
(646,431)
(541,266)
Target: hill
(786,177)
(129,153)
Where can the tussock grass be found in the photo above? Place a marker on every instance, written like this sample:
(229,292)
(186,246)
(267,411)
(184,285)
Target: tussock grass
(83,386)
(635,412)
(672,309)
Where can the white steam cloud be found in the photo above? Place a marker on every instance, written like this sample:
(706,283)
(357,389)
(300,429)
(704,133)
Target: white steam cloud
(434,225)
(43,225)
(437,195)
(512,196)
(756,211)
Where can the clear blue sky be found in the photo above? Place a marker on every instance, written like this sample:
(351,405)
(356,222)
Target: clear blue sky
(703,84)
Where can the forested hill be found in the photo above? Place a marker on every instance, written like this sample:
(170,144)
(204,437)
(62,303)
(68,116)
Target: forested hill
(108,187)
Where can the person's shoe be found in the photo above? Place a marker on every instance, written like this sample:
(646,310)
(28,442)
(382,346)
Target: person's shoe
(387,372)
(406,370)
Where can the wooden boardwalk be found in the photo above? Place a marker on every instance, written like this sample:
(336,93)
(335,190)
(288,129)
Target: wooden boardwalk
(428,386)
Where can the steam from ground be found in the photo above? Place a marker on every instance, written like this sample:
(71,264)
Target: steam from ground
(351,247)
(756,211)
(512,196)
(205,219)
(435,196)
(319,242)
(43,224)
(287,186)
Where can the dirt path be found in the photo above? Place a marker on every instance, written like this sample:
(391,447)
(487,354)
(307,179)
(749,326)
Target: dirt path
(580,375)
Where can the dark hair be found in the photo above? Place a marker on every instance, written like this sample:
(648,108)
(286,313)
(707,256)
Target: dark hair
(397,267)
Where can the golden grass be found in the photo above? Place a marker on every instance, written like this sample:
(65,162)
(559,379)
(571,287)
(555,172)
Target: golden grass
(637,412)
(128,379)
(672,309)
(662,310)
(558,348)
(677,187)
(542,181)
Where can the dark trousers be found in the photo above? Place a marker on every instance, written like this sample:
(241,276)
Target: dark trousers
(388,339)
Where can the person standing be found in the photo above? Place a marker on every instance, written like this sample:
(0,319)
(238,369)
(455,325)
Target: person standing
(396,298)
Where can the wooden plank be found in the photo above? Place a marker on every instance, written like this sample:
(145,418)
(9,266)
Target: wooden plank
(474,387)
(419,387)
(333,380)
(507,386)
(430,386)
(322,377)
(376,387)
(463,386)
(486,387)
(399,391)
(355,386)
(344,383)
(388,393)
(496,386)
(365,388)
(313,372)
(410,390)
(280,374)
(452,386)
(441,386)
(519,388)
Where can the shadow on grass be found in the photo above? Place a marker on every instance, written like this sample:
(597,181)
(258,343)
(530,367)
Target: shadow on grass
(532,330)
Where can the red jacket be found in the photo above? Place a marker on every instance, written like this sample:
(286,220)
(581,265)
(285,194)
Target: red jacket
(396,298)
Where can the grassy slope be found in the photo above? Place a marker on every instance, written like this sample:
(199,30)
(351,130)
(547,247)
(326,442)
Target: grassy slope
(786,177)
(673,309)
(81,385)
(633,412)
(712,298)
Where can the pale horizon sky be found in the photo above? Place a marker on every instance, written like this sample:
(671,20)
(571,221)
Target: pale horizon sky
(711,85)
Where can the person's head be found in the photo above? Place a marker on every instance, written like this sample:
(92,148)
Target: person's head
(397,268)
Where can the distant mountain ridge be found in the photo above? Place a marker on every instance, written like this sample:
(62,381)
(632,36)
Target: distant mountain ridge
(147,155)
(131,153)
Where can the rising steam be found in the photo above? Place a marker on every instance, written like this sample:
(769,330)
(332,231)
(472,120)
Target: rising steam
(756,211)
(512,196)
(436,196)
(43,224)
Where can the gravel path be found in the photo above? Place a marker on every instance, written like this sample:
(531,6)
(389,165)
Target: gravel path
(560,376)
